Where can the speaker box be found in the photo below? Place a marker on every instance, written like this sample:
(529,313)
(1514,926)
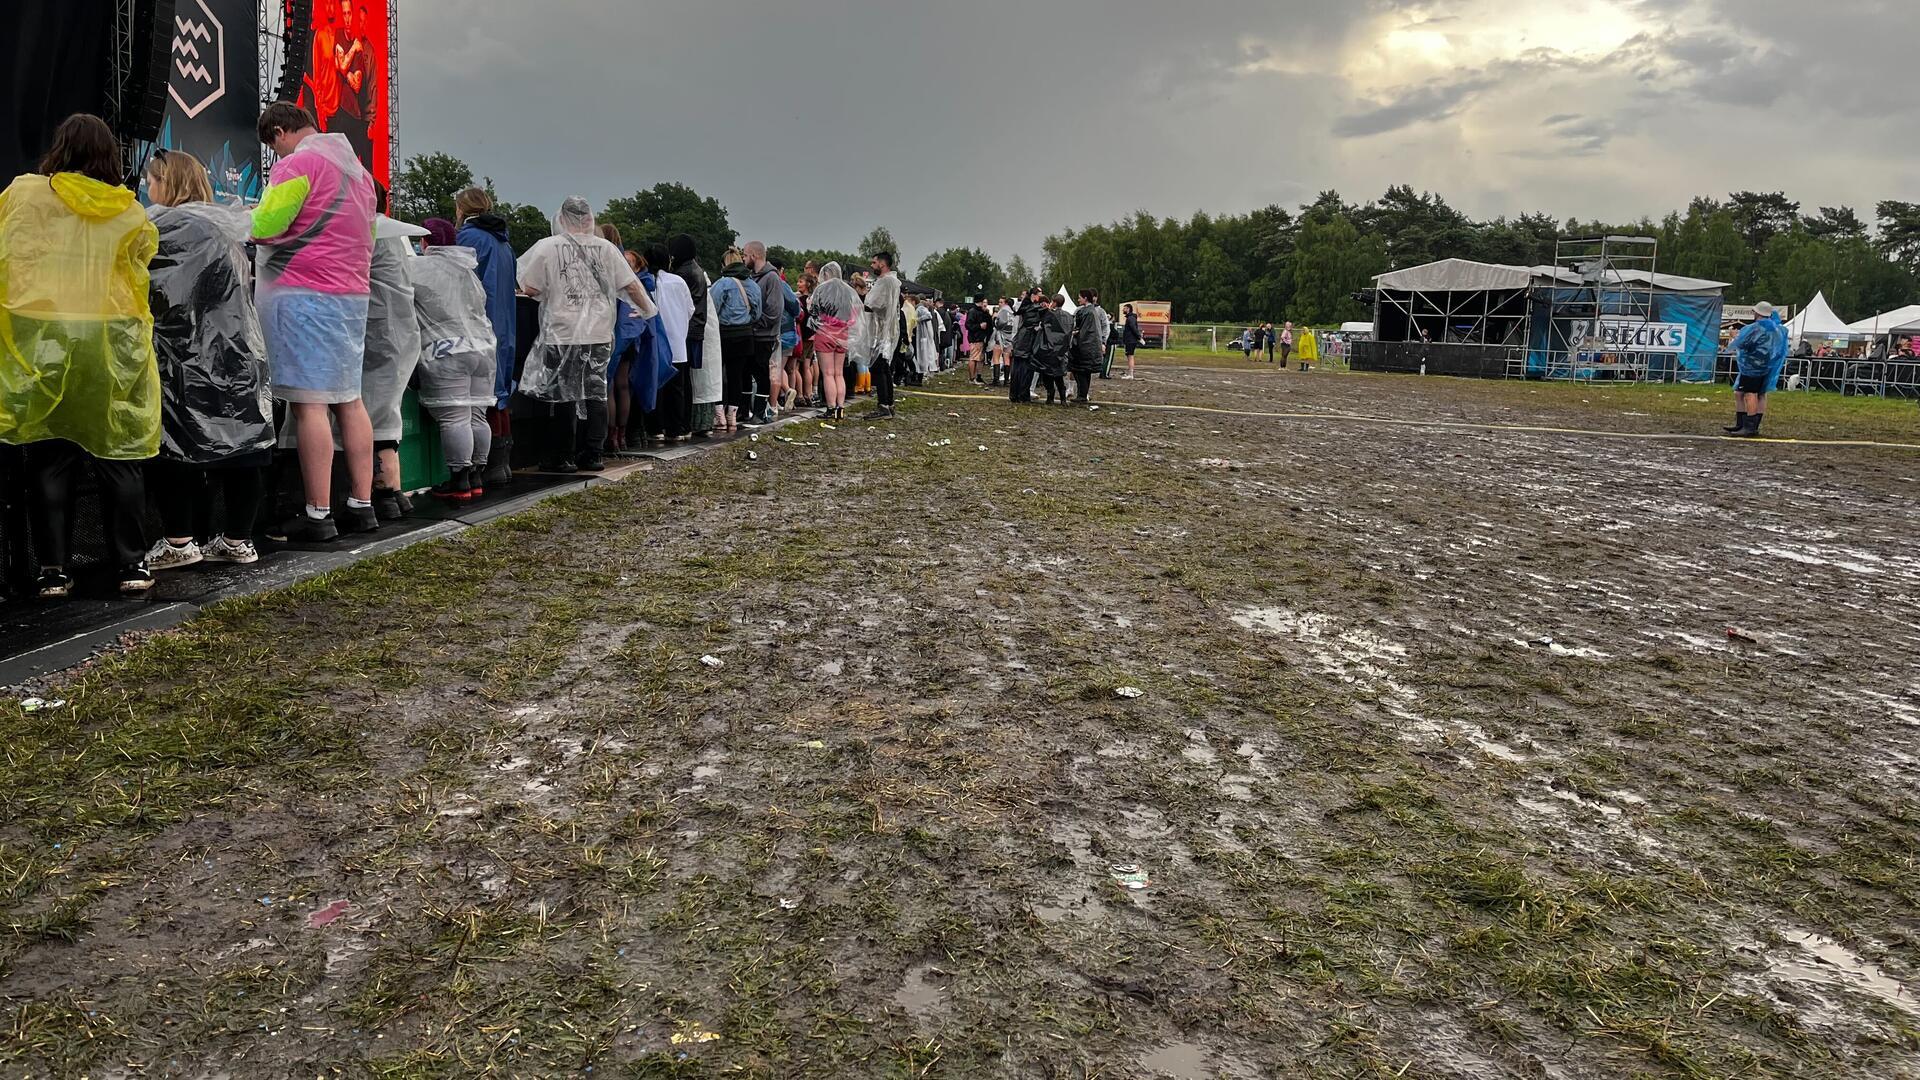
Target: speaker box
(298,39)
(144,97)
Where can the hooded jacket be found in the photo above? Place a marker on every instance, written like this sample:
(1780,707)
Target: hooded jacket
(766,325)
(76,328)
(213,358)
(1052,340)
(487,235)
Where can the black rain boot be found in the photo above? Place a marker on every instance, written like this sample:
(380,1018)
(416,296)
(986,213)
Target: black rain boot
(1753,425)
(1739,424)
(500,462)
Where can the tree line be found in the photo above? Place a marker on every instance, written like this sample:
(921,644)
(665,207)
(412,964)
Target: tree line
(1307,266)
(425,186)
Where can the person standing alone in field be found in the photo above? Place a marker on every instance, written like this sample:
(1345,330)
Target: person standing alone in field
(1130,336)
(1761,351)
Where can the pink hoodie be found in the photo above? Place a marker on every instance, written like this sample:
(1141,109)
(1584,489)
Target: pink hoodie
(331,238)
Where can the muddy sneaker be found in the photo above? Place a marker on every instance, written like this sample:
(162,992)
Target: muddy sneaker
(167,555)
(222,549)
(135,580)
(54,585)
(881,413)
(358,519)
(592,464)
(301,529)
(387,504)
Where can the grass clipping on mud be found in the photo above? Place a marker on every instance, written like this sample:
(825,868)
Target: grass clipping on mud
(881,836)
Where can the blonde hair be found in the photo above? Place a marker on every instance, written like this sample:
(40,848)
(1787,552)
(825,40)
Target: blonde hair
(470,202)
(733,255)
(182,175)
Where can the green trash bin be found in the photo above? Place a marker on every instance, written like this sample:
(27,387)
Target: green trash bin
(421,463)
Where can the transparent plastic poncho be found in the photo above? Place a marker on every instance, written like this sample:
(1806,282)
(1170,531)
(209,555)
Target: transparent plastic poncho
(458,349)
(76,332)
(213,356)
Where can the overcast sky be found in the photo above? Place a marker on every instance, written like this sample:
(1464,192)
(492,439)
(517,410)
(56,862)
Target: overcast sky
(991,124)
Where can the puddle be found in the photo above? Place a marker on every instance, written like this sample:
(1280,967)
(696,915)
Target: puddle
(1188,1061)
(1823,961)
(919,995)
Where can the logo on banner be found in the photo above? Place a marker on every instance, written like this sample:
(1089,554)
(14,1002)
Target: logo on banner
(1622,335)
(199,59)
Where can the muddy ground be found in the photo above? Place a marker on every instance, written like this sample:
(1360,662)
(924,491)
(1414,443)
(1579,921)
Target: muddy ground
(1457,753)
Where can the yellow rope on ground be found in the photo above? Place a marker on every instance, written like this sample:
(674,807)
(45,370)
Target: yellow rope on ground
(1461,425)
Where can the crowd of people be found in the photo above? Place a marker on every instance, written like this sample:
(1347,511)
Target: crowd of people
(1264,338)
(186,352)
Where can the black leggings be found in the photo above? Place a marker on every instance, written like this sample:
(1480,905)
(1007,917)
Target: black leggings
(184,496)
(883,381)
(52,467)
(736,362)
(673,407)
(1056,385)
(1083,382)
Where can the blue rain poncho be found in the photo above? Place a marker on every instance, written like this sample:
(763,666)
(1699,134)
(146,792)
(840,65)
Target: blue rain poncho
(645,341)
(1761,349)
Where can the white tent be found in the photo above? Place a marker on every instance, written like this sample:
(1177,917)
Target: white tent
(1892,320)
(1817,321)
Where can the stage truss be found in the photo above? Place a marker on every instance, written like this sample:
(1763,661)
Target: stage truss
(1601,278)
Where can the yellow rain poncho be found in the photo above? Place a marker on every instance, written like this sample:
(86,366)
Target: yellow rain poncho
(76,334)
(1309,351)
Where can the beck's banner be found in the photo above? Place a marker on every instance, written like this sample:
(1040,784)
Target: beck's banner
(1631,336)
(213,92)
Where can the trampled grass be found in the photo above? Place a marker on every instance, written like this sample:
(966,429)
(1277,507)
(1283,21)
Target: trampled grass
(1392,834)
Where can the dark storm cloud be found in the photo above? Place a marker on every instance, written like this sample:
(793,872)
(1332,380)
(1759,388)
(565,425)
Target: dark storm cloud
(1433,101)
(994,123)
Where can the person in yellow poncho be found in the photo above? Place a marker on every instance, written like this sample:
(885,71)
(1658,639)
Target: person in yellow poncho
(79,384)
(1309,351)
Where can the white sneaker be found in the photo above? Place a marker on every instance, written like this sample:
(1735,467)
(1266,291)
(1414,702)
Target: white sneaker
(166,556)
(223,550)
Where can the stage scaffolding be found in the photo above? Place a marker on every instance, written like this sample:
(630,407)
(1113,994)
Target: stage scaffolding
(120,70)
(1600,279)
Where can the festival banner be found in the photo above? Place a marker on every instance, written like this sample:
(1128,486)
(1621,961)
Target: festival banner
(213,93)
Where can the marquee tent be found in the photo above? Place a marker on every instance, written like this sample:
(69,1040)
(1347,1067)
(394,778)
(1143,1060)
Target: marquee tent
(1818,321)
(1889,322)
